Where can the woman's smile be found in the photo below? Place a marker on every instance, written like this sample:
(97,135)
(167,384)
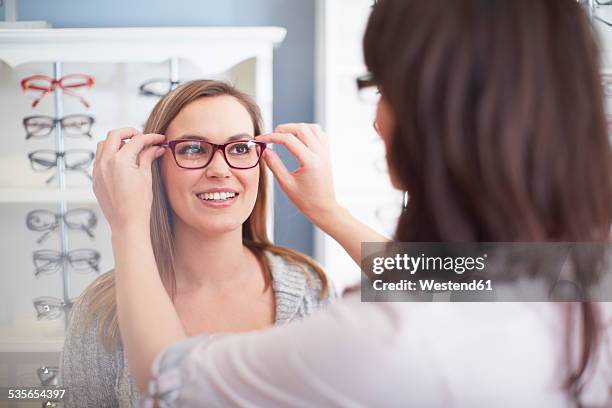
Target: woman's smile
(218,197)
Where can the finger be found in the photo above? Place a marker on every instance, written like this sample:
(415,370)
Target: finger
(99,148)
(116,136)
(278,168)
(148,155)
(292,143)
(302,131)
(139,142)
(319,133)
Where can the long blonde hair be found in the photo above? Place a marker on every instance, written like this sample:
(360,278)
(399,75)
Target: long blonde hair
(100,295)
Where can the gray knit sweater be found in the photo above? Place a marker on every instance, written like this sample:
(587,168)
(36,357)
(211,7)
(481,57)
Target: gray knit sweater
(96,378)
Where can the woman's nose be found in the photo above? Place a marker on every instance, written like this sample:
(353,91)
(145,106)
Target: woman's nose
(218,167)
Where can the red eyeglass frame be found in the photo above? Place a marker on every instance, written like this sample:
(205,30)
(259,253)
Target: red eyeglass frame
(87,81)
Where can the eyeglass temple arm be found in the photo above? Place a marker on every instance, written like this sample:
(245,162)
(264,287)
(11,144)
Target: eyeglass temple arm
(44,236)
(85,173)
(76,95)
(603,21)
(87,231)
(37,100)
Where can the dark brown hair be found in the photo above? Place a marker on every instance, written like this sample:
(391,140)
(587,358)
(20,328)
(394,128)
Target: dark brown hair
(500,128)
(100,294)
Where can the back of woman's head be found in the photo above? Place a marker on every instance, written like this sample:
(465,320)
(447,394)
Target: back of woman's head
(500,129)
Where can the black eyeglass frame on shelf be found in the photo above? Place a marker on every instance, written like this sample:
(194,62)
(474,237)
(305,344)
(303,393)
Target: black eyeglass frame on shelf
(33,219)
(84,260)
(64,121)
(172,85)
(50,308)
(46,164)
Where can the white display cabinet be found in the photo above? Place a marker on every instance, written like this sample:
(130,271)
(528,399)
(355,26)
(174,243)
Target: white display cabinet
(119,59)
(359,166)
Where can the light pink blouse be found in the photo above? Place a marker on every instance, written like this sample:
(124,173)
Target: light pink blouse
(357,354)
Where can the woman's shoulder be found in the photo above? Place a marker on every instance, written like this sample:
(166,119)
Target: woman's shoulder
(299,289)
(299,274)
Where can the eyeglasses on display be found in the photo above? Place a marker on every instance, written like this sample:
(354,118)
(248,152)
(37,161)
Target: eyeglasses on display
(158,87)
(46,221)
(73,125)
(48,376)
(75,160)
(50,308)
(41,85)
(47,261)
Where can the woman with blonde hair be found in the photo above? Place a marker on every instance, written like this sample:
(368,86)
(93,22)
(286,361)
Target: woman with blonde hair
(207,229)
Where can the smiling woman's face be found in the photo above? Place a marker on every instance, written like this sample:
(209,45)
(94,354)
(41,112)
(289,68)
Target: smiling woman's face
(218,120)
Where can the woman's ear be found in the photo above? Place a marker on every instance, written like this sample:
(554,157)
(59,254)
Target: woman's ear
(384,124)
(385,120)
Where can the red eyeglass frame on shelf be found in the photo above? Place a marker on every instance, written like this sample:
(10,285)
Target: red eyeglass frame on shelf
(29,84)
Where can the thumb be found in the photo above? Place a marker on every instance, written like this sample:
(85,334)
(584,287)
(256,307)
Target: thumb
(148,155)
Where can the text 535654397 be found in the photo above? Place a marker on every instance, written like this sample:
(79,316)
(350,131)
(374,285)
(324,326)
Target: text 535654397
(29,393)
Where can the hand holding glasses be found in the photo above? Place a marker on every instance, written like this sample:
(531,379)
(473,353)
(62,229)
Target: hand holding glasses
(43,85)
(46,221)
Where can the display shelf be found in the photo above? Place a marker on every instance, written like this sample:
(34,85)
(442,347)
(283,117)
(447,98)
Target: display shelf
(228,45)
(45,195)
(25,345)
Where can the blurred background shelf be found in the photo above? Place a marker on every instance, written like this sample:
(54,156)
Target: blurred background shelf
(26,345)
(46,195)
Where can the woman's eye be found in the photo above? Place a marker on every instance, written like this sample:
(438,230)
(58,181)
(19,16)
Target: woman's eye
(241,148)
(191,149)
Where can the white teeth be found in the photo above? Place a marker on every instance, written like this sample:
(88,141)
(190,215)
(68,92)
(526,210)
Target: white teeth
(218,196)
